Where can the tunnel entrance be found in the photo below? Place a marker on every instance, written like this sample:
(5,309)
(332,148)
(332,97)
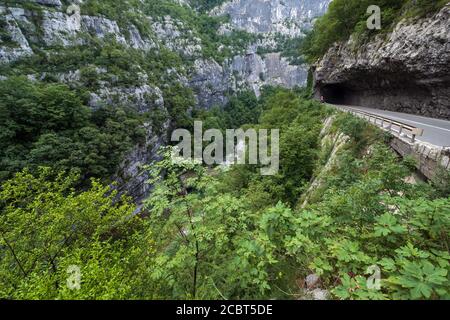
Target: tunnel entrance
(336,94)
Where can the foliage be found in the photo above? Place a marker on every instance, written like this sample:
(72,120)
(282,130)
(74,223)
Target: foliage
(299,122)
(209,244)
(47,124)
(359,221)
(206,5)
(206,231)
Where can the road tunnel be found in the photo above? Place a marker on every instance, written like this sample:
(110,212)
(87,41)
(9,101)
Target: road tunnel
(336,94)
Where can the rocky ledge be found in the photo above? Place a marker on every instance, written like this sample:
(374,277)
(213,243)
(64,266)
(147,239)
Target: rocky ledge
(407,70)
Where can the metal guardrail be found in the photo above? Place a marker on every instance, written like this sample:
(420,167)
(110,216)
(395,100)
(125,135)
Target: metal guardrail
(399,128)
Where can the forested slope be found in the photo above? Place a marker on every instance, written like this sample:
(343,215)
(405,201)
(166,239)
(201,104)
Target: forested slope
(401,67)
(235,234)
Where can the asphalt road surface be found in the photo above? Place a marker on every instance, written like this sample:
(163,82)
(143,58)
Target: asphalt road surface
(436,131)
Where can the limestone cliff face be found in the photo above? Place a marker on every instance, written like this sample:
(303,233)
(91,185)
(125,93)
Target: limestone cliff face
(48,26)
(269,69)
(288,17)
(19,44)
(407,71)
(57,28)
(332,144)
(212,82)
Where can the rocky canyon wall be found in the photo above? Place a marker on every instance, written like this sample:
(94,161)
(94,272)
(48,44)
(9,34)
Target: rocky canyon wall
(407,70)
(36,27)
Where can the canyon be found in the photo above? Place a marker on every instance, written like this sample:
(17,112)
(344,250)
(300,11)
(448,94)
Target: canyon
(406,70)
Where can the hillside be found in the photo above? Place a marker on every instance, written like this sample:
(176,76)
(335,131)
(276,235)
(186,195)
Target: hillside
(95,204)
(155,61)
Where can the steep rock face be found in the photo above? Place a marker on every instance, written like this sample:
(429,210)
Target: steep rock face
(144,98)
(52,3)
(288,17)
(51,28)
(409,71)
(131,176)
(333,143)
(58,28)
(25,31)
(211,83)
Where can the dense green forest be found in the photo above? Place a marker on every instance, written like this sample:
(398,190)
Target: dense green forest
(348,17)
(77,137)
(201,24)
(207,233)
